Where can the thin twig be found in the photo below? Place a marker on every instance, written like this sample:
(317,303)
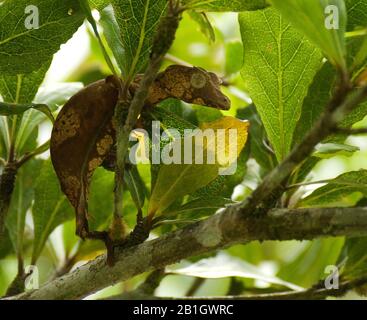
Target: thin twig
(163,40)
(28,156)
(351,131)
(198,282)
(318,292)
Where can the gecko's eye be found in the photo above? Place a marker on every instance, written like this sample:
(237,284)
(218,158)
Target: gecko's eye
(198,80)
(218,81)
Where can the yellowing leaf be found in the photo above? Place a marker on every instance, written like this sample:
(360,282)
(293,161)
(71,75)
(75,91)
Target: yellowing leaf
(226,149)
(179,179)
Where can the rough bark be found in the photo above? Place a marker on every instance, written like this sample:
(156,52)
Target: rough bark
(219,231)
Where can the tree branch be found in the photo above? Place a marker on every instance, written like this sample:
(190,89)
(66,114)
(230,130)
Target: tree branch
(314,293)
(248,221)
(229,227)
(7,183)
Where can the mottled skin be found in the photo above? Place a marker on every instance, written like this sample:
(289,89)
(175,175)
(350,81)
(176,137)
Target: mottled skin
(189,84)
(83,136)
(74,156)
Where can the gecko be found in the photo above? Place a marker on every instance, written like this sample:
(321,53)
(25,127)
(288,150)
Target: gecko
(84,136)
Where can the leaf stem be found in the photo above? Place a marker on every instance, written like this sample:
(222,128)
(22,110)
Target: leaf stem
(356,33)
(28,156)
(348,131)
(296,185)
(86,7)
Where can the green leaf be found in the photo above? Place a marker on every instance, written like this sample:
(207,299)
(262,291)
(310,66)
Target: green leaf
(309,266)
(258,138)
(6,246)
(225,5)
(57,94)
(4,137)
(357,13)
(23,50)
(135,185)
(138,21)
(177,180)
(234,57)
(9,109)
(355,258)
(304,169)
(315,102)
(21,201)
(344,190)
(311,19)
(168,120)
(224,266)
(53,97)
(197,208)
(100,204)
(357,55)
(329,150)
(319,95)
(112,34)
(50,208)
(207,114)
(278,68)
(84,4)
(99,4)
(204,24)
(22,88)
(223,186)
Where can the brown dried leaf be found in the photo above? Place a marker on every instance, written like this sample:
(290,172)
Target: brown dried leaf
(82,136)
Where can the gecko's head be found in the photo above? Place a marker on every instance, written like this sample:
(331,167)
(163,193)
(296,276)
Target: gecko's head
(195,85)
